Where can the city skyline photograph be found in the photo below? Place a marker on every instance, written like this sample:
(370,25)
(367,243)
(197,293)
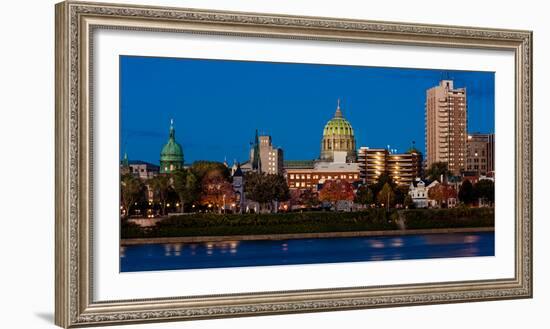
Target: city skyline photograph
(217,112)
(239,163)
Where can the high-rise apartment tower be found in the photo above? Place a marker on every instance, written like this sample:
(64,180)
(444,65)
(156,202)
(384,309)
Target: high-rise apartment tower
(446,126)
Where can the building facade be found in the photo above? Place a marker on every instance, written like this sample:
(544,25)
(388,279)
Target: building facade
(372,164)
(142,169)
(403,168)
(238,187)
(418,190)
(272,161)
(171,156)
(480,154)
(338,136)
(491,155)
(264,157)
(446,126)
(312,178)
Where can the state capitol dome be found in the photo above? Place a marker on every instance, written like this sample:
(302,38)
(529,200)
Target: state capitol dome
(338,136)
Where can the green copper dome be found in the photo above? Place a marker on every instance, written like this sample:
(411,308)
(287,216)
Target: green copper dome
(338,125)
(171,156)
(171,151)
(338,136)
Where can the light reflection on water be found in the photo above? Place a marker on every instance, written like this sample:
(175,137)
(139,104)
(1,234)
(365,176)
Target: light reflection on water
(377,244)
(284,247)
(209,248)
(303,251)
(397,242)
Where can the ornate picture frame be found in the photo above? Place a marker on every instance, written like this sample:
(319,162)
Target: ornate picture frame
(75,24)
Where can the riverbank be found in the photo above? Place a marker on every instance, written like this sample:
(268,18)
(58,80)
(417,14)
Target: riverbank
(320,222)
(290,236)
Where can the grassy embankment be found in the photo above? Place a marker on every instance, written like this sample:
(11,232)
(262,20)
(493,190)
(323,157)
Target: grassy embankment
(310,222)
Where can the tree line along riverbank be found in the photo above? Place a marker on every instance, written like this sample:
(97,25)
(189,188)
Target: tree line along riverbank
(201,224)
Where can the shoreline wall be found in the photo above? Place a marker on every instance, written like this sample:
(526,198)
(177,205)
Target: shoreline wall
(200,239)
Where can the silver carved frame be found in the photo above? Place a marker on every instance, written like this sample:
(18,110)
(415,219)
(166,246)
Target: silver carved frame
(76,22)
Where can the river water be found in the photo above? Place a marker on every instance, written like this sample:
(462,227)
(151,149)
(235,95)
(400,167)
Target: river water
(173,256)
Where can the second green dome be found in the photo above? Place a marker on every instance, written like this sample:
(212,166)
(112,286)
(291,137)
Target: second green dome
(172,150)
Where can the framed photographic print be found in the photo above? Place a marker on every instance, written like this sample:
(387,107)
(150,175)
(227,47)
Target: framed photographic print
(216,164)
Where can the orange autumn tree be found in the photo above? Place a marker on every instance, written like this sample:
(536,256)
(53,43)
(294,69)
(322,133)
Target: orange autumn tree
(336,190)
(305,197)
(441,193)
(217,191)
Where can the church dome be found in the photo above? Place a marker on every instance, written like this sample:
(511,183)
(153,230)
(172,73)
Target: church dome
(171,155)
(171,151)
(338,136)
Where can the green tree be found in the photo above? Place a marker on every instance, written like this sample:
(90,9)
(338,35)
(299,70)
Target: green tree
(364,196)
(185,184)
(161,186)
(408,202)
(383,179)
(401,193)
(131,190)
(386,196)
(485,190)
(202,169)
(265,188)
(466,193)
(279,188)
(438,169)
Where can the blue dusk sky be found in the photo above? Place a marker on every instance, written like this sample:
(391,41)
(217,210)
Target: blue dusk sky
(217,105)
